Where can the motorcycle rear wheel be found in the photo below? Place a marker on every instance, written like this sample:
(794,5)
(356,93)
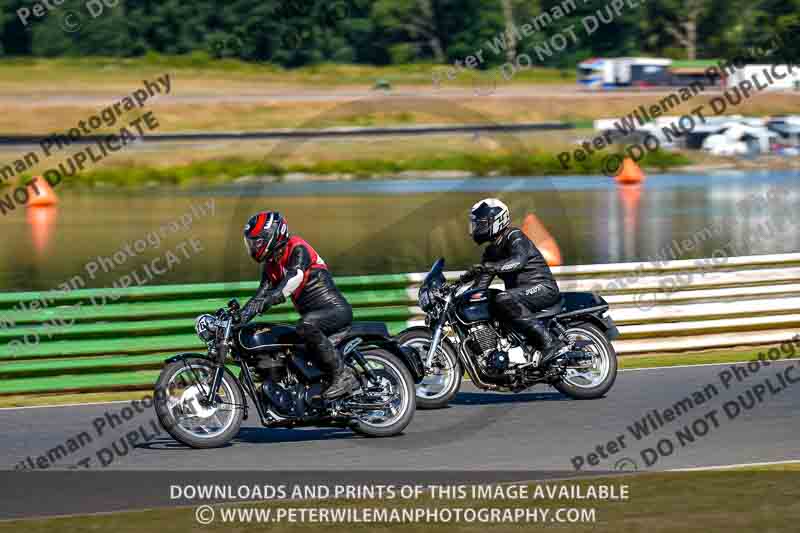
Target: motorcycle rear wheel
(398,391)
(596,381)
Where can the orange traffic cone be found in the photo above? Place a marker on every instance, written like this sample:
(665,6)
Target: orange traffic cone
(41,193)
(630,172)
(535,230)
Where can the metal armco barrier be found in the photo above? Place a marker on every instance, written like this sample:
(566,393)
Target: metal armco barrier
(116,340)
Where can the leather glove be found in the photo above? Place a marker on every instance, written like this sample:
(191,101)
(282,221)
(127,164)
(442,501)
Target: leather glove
(487,268)
(466,276)
(273,298)
(256,306)
(253,307)
(482,268)
(473,272)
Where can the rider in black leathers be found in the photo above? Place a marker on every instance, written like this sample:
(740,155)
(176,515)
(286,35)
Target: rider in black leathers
(529,283)
(292,268)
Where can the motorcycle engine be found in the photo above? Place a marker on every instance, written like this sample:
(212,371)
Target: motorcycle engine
(282,394)
(483,341)
(497,362)
(496,354)
(271,367)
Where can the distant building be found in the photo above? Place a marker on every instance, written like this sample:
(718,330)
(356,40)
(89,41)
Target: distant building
(686,72)
(610,73)
(601,73)
(783,77)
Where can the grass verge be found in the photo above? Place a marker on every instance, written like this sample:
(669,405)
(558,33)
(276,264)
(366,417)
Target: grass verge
(698,358)
(198,71)
(225,169)
(35,400)
(42,96)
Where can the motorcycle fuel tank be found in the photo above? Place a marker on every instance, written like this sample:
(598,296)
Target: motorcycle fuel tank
(267,337)
(473,306)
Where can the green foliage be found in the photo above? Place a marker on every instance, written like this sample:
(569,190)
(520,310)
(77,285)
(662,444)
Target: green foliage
(663,160)
(213,170)
(477,163)
(294,33)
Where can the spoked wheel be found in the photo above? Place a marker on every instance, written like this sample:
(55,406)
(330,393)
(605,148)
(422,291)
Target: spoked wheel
(386,406)
(594,378)
(182,410)
(443,378)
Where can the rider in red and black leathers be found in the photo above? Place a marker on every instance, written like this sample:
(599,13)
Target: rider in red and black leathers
(292,268)
(529,283)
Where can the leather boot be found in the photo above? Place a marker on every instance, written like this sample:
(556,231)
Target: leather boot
(343,382)
(537,333)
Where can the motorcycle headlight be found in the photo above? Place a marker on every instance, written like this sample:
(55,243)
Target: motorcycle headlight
(424,297)
(206,327)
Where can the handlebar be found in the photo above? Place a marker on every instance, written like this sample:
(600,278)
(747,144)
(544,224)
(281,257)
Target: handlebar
(232,311)
(454,285)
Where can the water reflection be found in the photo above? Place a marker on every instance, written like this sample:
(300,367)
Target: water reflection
(42,221)
(383,227)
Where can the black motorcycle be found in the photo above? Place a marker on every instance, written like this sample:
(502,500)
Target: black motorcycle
(201,402)
(460,334)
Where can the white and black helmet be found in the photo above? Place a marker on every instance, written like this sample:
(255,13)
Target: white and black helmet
(487,219)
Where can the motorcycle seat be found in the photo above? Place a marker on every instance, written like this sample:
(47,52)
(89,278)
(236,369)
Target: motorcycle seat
(358,329)
(552,310)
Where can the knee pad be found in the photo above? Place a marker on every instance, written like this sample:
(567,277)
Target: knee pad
(310,332)
(505,304)
(503,298)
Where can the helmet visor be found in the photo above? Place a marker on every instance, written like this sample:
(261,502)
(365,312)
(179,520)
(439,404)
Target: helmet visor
(479,227)
(256,247)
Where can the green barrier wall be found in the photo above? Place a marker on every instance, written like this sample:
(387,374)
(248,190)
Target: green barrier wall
(109,339)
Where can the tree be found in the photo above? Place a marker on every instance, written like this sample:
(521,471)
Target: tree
(419,20)
(684,28)
(782,20)
(511,40)
(15,38)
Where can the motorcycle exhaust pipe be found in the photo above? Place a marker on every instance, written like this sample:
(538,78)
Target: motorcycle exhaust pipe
(472,371)
(365,405)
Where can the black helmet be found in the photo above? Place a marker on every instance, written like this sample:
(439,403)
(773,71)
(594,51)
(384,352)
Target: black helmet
(488,218)
(264,234)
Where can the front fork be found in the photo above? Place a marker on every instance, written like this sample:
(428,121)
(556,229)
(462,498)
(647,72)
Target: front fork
(438,326)
(223,354)
(215,384)
(435,341)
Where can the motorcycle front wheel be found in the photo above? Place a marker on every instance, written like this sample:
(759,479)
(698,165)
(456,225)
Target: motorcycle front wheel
(181,408)
(443,378)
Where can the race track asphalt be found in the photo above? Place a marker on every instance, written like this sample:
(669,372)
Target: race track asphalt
(536,430)
(482,437)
